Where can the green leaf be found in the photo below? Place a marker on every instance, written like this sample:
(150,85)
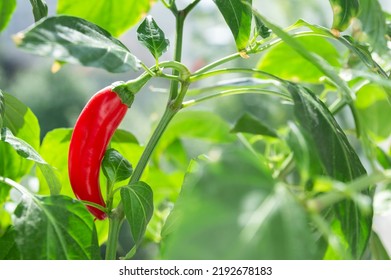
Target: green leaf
(377,248)
(50,175)
(40,9)
(373,25)
(23,124)
(283,61)
(339,159)
(307,161)
(238,16)
(26,151)
(53,228)
(9,250)
(2,108)
(206,126)
(319,62)
(20,146)
(151,36)
(116,16)
(7,7)
(359,49)
(383,159)
(176,155)
(166,187)
(75,40)
(230,208)
(4,193)
(342,162)
(138,206)
(344,11)
(115,167)
(5,217)
(54,149)
(374,110)
(261,29)
(249,124)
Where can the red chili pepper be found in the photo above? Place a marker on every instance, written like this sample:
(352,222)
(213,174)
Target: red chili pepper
(91,135)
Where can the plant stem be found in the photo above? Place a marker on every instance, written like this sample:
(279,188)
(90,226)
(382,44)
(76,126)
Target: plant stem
(164,121)
(198,76)
(190,7)
(180,20)
(235,92)
(356,186)
(173,106)
(115,222)
(217,63)
(248,145)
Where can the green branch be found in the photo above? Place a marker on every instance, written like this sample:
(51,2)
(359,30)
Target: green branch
(199,76)
(347,190)
(231,92)
(190,7)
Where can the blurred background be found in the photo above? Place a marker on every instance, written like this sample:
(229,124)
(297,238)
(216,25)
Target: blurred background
(57,99)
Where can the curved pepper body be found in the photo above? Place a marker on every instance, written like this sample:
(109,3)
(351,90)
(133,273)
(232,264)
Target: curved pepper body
(91,135)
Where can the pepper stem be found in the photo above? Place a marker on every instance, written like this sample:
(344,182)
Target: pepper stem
(127,90)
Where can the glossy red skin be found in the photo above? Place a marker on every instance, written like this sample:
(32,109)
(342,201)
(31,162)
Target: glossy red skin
(92,133)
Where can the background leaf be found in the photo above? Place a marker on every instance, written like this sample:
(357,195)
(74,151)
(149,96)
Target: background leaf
(20,146)
(4,193)
(40,9)
(2,108)
(138,206)
(283,61)
(261,29)
(238,16)
(250,124)
(383,159)
(377,248)
(21,121)
(344,11)
(340,161)
(151,36)
(221,215)
(361,50)
(201,125)
(375,110)
(26,151)
(76,40)
(9,250)
(109,14)
(319,62)
(55,227)
(54,149)
(7,7)
(373,25)
(303,148)
(5,216)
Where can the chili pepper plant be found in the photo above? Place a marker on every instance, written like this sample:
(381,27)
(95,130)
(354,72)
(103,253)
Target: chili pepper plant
(276,147)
